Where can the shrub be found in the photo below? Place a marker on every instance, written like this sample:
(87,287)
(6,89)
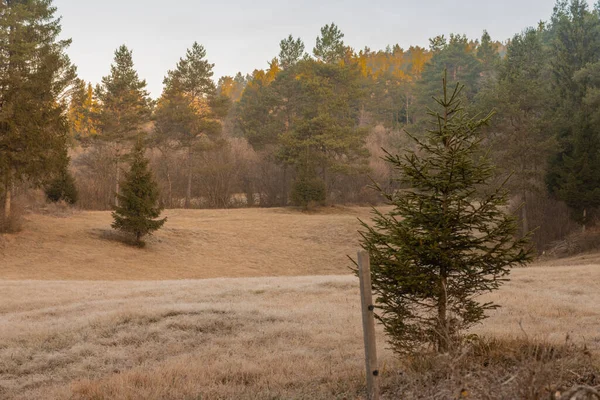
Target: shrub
(62,188)
(307,191)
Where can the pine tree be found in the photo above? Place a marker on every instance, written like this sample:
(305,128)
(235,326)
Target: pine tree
(35,73)
(458,58)
(576,174)
(255,120)
(487,54)
(190,111)
(138,210)
(519,134)
(442,244)
(62,187)
(125,106)
(291,51)
(573,173)
(330,46)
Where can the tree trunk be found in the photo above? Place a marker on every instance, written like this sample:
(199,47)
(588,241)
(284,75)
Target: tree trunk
(524,220)
(188,191)
(443,334)
(442,323)
(284,198)
(118,184)
(7,197)
(584,220)
(407,109)
(170,189)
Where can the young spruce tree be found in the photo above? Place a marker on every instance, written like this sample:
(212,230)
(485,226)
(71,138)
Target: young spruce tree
(138,211)
(443,243)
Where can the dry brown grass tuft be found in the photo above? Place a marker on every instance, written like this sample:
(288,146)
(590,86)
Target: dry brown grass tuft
(487,369)
(576,243)
(60,209)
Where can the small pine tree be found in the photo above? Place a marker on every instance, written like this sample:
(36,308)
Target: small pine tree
(62,188)
(443,244)
(138,211)
(308,190)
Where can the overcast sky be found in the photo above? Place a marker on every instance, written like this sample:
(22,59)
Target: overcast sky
(243,35)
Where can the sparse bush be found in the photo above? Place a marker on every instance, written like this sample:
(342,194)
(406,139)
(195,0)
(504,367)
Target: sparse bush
(575,243)
(58,209)
(307,191)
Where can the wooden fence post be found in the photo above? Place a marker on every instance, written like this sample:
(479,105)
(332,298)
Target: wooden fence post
(368,319)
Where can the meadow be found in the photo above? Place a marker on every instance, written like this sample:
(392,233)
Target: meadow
(243,304)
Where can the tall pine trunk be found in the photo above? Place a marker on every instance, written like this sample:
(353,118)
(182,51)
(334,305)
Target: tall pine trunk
(524,219)
(117,184)
(407,109)
(188,191)
(8,181)
(325,179)
(443,334)
(170,189)
(284,199)
(117,174)
(7,196)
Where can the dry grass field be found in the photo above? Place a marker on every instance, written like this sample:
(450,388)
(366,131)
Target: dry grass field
(83,316)
(194,244)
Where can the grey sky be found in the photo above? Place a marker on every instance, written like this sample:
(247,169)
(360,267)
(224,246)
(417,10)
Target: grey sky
(243,35)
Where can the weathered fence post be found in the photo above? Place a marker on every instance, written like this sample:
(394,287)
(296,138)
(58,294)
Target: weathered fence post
(368,318)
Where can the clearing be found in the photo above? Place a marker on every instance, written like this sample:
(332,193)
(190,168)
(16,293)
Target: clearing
(83,316)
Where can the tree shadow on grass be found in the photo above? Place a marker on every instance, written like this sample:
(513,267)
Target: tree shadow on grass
(119,237)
